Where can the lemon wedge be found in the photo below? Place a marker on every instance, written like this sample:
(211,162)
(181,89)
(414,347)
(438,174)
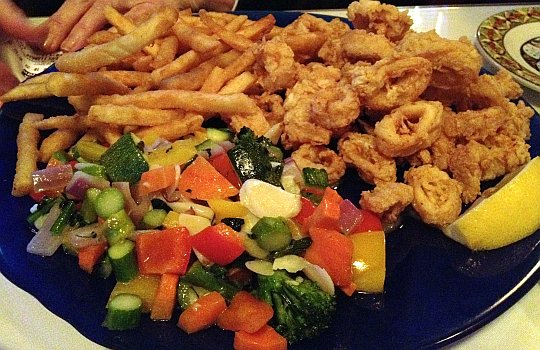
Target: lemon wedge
(503,215)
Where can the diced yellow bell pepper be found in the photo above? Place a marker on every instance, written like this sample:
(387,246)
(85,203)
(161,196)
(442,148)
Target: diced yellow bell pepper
(369,261)
(227,209)
(193,223)
(144,286)
(171,220)
(179,152)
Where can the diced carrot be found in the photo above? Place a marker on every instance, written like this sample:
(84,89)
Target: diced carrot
(326,214)
(245,313)
(90,255)
(332,251)
(165,298)
(265,338)
(156,179)
(203,313)
(165,251)
(202,181)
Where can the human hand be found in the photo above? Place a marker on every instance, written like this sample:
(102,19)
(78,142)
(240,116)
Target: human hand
(76,20)
(14,23)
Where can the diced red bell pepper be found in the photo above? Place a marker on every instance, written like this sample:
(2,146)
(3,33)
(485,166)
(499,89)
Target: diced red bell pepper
(326,214)
(223,165)
(166,251)
(219,243)
(308,207)
(370,222)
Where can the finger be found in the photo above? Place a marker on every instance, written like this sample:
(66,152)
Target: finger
(62,22)
(92,21)
(139,10)
(14,22)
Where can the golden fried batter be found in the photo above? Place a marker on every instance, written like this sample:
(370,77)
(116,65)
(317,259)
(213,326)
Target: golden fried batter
(379,18)
(437,197)
(409,128)
(388,200)
(455,62)
(390,82)
(321,157)
(359,151)
(275,66)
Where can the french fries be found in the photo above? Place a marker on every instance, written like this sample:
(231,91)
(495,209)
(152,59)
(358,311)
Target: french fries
(158,79)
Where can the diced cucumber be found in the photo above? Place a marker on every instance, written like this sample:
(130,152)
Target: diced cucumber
(186,294)
(272,234)
(154,218)
(123,312)
(123,260)
(90,151)
(218,135)
(88,211)
(124,161)
(119,227)
(109,201)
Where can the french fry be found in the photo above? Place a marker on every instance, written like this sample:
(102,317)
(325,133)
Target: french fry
(241,64)
(73,122)
(129,78)
(167,51)
(194,101)
(234,40)
(124,25)
(215,80)
(193,37)
(239,84)
(73,84)
(132,115)
(108,133)
(174,130)
(192,80)
(256,30)
(26,92)
(102,37)
(236,23)
(91,58)
(27,155)
(58,140)
(143,64)
(180,65)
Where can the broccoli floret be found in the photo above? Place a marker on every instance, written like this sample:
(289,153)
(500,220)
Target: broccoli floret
(301,309)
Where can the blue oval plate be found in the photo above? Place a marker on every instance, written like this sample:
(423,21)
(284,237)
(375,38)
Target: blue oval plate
(437,291)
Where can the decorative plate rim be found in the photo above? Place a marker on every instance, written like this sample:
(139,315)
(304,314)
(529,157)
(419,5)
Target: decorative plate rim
(490,39)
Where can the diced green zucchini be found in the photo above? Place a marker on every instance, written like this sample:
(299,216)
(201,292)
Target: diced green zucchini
(123,260)
(124,161)
(218,135)
(123,312)
(206,145)
(109,201)
(90,151)
(272,234)
(61,156)
(154,218)
(119,227)
(95,170)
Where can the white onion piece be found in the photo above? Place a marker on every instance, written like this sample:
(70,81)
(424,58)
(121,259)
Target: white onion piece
(169,191)
(291,169)
(260,267)
(132,236)
(87,235)
(81,181)
(320,276)
(291,263)
(44,243)
(134,210)
(158,143)
(227,145)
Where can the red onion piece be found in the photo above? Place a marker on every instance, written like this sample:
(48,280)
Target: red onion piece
(290,168)
(350,216)
(134,210)
(44,243)
(52,178)
(81,181)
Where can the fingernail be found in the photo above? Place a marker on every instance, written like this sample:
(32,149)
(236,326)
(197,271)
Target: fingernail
(68,45)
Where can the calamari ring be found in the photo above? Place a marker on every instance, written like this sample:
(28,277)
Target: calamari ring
(320,157)
(409,128)
(359,151)
(437,197)
(390,82)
